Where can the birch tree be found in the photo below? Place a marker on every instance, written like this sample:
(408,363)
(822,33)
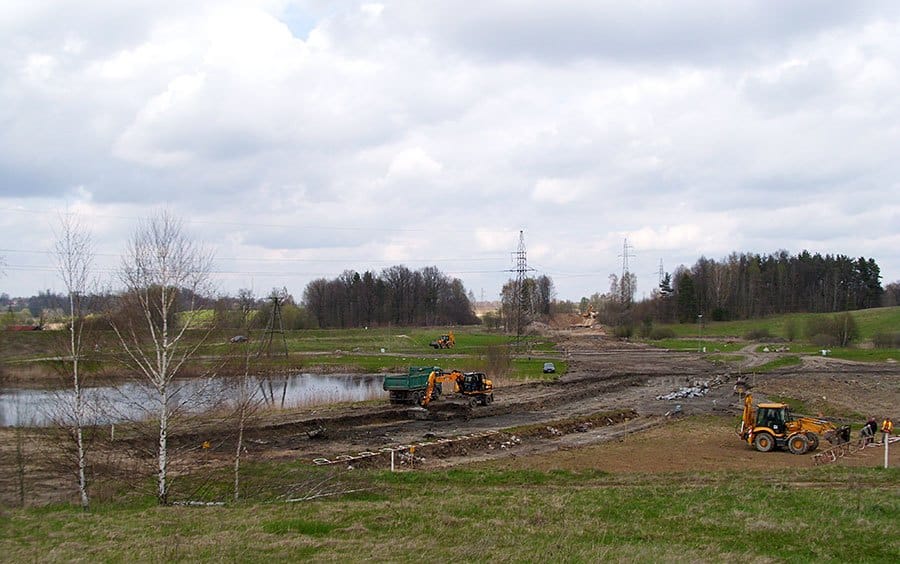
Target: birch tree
(74,257)
(160,266)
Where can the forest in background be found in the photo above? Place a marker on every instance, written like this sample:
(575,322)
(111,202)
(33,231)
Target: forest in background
(740,286)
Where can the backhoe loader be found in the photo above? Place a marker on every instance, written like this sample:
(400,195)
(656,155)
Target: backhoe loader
(444,342)
(772,425)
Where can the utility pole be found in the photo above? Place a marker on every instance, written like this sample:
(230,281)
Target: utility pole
(275,325)
(699,332)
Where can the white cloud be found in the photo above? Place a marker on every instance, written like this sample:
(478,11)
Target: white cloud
(359,131)
(413,164)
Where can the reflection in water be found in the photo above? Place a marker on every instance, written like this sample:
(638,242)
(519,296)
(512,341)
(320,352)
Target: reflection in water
(130,401)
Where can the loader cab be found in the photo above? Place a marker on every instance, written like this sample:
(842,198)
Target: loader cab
(473,382)
(773,415)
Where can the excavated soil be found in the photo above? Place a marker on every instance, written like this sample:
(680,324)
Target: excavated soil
(603,414)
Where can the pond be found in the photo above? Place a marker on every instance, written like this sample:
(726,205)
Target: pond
(135,401)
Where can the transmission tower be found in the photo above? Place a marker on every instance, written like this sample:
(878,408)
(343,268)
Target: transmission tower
(521,303)
(275,325)
(661,273)
(625,282)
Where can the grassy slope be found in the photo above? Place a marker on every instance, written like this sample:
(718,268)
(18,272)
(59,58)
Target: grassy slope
(717,335)
(869,321)
(471,515)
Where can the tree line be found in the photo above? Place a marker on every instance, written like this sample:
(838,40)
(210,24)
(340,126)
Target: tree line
(395,296)
(747,285)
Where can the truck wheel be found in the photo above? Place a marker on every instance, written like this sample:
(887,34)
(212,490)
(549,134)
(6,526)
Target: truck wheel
(813,440)
(798,444)
(473,402)
(764,442)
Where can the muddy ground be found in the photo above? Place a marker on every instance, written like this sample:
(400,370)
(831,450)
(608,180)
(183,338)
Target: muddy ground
(603,414)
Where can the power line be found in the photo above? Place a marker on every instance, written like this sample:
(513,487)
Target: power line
(292,226)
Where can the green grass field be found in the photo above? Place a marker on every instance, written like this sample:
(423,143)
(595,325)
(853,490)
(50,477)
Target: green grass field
(376,350)
(820,515)
(722,337)
(869,321)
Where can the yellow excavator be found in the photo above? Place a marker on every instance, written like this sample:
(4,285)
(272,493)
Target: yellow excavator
(444,342)
(474,385)
(772,425)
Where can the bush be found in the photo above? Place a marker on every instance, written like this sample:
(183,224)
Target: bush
(721,314)
(660,333)
(646,328)
(886,340)
(840,329)
(758,335)
(497,360)
(790,329)
(823,340)
(624,331)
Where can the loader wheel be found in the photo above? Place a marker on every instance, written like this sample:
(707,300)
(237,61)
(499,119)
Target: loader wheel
(798,444)
(763,442)
(813,440)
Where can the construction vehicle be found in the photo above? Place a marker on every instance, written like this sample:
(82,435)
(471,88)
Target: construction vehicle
(444,342)
(409,387)
(423,384)
(475,386)
(772,425)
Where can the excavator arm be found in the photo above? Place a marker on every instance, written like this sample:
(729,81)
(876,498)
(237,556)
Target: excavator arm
(747,422)
(439,377)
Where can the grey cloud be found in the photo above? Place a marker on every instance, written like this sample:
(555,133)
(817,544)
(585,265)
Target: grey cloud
(652,32)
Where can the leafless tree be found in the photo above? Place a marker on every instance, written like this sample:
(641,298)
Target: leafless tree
(160,265)
(247,404)
(74,257)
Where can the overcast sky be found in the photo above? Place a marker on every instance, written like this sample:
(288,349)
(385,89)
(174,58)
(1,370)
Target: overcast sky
(300,139)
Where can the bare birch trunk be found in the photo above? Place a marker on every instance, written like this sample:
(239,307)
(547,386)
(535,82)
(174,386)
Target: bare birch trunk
(162,493)
(237,453)
(159,263)
(74,257)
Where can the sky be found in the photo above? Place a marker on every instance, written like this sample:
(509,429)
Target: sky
(299,139)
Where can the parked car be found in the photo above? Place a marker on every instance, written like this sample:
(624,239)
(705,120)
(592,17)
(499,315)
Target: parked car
(239,339)
(549,368)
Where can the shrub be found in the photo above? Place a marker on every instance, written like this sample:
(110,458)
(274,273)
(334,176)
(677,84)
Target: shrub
(497,360)
(841,330)
(646,328)
(790,329)
(624,331)
(721,314)
(659,333)
(758,335)
(886,340)
(823,340)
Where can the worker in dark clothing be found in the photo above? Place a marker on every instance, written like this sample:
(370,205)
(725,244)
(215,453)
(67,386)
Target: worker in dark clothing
(869,429)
